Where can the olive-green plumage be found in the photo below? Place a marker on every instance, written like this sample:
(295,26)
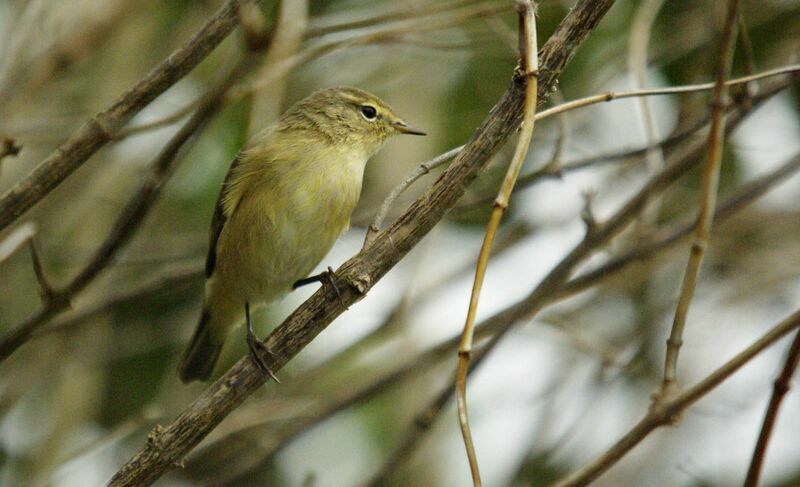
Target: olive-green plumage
(286,199)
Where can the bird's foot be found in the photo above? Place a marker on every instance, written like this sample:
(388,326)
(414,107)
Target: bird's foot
(257,350)
(328,276)
(256,347)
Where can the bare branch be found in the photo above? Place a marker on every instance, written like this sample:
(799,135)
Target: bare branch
(781,387)
(707,203)
(556,286)
(127,223)
(529,68)
(357,276)
(100,129)
(45,289)
(550,170)
(421,170)
(666,411)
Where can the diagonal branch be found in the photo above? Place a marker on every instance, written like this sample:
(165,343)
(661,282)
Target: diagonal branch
(780,388)
(556,286)
(168,446)
(100,129)
(238,444)
(665,412)
(553,170)
(126,225)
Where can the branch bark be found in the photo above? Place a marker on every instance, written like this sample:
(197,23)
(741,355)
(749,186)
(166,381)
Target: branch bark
(666,412)
(530,69)
(100,129)
(166,447)
(705,217)
(126,225)
(556,286)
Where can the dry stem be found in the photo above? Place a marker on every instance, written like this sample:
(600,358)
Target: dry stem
(706,215)
(556,285)
(666,411)
(354,279)
(529,66)
(129,221)
(551,169)
(100,129)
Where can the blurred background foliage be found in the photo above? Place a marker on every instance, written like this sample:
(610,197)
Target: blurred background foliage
(78,399)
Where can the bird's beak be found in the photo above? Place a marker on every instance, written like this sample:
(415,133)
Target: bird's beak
(403,128)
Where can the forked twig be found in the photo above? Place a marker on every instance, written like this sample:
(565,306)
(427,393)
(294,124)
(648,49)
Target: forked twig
(708,202)
(553,169)
(100,129)
(529,66)
(420,171)
(667,410)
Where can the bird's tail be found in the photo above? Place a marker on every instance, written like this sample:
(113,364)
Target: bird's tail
(202,354)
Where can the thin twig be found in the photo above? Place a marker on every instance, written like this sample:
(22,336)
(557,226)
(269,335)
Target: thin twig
(100,129)
(390,33)
(707,204)
(666,412)
(421,170)
(550,288)
(742,197)
(319,29)
(529,68)
(46,290)
(638,47)
(548,171)
(169,445)
(415,367)
(615,95)
(780,388)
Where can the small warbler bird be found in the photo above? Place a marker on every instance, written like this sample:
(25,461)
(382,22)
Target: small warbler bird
(286,199)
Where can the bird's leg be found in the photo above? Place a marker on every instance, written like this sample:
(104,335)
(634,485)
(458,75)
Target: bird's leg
(256,346)
(328,276)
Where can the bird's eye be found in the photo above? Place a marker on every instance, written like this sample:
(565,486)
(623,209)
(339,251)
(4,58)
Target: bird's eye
(369,112)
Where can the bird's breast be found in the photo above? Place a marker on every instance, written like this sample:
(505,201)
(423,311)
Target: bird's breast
(286,225)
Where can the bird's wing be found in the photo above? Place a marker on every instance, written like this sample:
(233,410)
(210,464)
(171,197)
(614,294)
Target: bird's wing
(219,219)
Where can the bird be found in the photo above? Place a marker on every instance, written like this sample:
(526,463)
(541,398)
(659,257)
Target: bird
(286,199)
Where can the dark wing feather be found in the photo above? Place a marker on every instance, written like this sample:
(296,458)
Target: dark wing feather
(218,222)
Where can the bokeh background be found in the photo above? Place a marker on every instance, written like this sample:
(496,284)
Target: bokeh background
(79,399)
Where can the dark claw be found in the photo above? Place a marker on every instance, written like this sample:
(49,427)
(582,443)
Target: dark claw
(307,280)
(256,347)
(328,276)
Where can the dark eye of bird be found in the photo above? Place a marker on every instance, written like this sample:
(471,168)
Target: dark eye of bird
(369,112)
